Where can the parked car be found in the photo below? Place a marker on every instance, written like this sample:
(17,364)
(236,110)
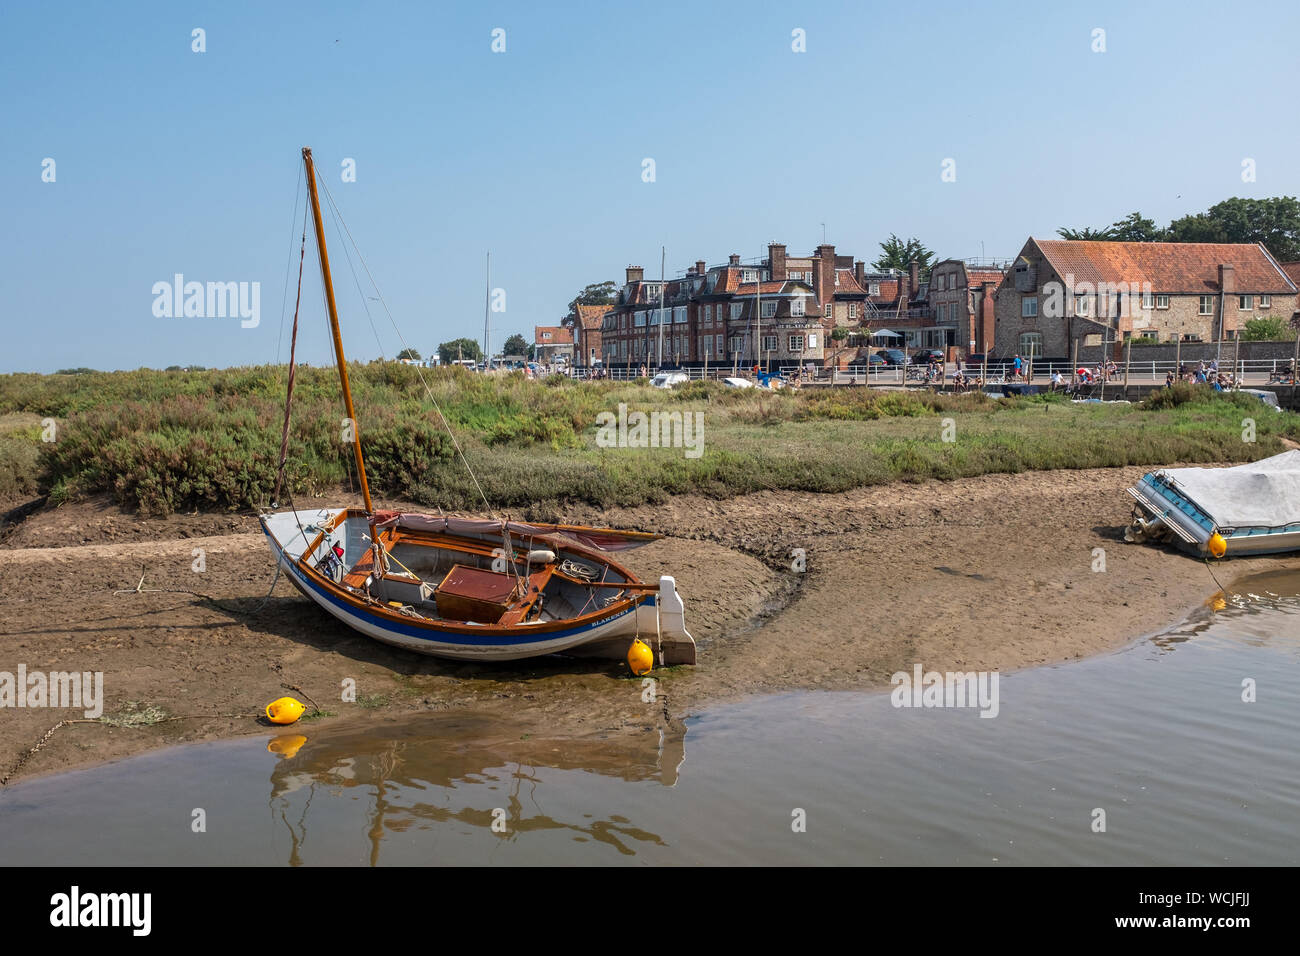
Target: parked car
(926,356)
(872,361)
(893,356)
(669,379)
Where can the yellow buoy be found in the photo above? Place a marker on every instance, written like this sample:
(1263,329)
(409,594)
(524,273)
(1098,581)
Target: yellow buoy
(640,658)
(285,746)
(286,710)
(1218,547)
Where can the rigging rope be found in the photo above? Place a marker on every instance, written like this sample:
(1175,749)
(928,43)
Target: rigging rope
(419,373)
(293,348)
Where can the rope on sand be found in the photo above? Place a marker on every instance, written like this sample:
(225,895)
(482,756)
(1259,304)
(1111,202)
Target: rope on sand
(31,752)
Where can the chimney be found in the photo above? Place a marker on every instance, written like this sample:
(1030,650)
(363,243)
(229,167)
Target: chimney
(635,274)
(1227,279)
(984,323)
(733,259)
(699,267)
(860,273)
(913,279)
(824,274)
(776,261)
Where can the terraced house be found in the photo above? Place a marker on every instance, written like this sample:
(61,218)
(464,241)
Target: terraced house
(1059,292)
(779,310)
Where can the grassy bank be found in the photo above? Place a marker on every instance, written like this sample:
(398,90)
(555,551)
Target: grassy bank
(166,441)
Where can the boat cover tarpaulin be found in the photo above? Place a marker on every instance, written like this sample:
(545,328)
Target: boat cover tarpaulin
(602,539)
(1260,494)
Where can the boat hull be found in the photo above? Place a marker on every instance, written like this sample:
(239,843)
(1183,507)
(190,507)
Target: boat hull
(656,617)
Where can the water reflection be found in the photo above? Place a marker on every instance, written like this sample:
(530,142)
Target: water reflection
(474,771)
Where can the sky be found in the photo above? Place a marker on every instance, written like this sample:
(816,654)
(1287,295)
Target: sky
(170,161)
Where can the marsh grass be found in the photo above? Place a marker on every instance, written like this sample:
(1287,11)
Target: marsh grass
(165,441)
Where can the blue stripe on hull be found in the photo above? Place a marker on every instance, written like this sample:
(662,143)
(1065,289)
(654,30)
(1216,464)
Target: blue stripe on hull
(448,641)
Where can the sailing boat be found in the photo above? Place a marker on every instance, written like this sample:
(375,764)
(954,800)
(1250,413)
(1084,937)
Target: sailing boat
(469,588)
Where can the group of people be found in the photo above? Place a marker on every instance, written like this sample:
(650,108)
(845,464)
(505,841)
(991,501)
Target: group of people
(1205,373)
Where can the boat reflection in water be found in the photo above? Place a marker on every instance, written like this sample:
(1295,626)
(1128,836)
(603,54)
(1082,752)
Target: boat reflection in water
(474,773)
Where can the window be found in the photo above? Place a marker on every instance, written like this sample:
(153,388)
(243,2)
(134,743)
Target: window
(749,275)
(1031,343)
(853,310)
(735,343)
(736,308)
(797,305)
(1029,307)
(875,289)
(769,343)
(1162,301)
(769,309)
(1245,302)
(546,335)
(1148,300)
(826,310)
(1081,305)
(796,343)
(718,340)
(1266,302)
(679,314)
(1207,308)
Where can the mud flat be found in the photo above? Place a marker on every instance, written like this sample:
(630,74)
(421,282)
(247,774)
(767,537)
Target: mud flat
(995,572)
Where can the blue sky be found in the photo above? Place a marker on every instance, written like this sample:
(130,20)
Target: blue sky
(170,161)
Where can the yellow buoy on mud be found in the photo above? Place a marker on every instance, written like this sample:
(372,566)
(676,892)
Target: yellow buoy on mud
(285,746)
(640,658)
(286,710)
(1218,547)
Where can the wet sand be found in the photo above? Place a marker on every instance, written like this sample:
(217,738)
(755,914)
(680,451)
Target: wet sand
(986,573)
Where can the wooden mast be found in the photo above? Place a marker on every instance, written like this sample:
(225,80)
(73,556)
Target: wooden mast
(334,323)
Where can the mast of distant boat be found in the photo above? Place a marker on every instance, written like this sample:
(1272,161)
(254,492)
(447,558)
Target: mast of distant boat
(334,324)
(487,303)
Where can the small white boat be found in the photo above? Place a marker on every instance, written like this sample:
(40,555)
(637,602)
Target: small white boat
(1246,509)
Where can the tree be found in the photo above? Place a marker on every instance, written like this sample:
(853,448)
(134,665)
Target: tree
(1270,328)
(408,354)
(897,254)
(598,293)
(515,345)
(1274,222)
(449,352)
(1087,234)
(1136,228)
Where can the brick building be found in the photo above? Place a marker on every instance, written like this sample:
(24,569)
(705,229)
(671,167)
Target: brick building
(586,333)
(780,310)
(1061,291)
(553,344)
(960,297)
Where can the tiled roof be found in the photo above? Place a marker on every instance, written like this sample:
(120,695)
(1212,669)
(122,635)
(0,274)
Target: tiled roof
(1178,267)
(1292,269)
(559,335)
(888,290)
(589,316)
(977,277)
(774,287)
(848,283)
(728,280)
